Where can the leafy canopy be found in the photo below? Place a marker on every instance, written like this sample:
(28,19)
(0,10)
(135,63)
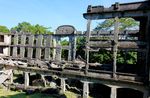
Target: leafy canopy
(4,29)
(124,24)
(29,28)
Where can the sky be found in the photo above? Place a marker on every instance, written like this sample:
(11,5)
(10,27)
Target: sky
(49,13)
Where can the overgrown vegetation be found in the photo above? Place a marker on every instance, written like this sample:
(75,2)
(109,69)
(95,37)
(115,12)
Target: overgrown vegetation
(4,29)
(29,28)
(20,94)
(124,24)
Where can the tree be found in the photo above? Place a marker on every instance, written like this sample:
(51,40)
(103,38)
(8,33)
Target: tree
(124,24)
(4,29)
(38,29)
(27,27)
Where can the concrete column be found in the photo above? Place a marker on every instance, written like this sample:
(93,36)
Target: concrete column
(7,41)
(70,50)
(63,85)
(54,44)
(43,78)
(85,89)
(26,79)
(11,78)
(113,93)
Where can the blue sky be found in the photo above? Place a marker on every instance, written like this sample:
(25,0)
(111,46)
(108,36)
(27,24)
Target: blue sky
(50,13)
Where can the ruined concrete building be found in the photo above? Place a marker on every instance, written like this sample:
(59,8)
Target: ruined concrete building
(42,54)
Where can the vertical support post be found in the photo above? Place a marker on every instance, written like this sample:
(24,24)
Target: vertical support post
(54,50)
(26,79)
(58,49)
(39,44)
(58,53)
(88,33)
(85,89)
(7,41)
(11,78)
(74,47)
(43,78)
(113,93)
(72,50)
(22,49)
(47,49)
(15,42)
(63,85)
(30,50)
(115,47)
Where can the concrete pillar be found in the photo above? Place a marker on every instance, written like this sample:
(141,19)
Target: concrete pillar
(85,89)
(54,44)
(43,78)
(11,78)
(7,41)
(63,85)
(72,45)
(26,79)
(113,93)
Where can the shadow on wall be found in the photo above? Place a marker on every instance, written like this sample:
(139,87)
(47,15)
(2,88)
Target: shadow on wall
(99,91)
(128,93)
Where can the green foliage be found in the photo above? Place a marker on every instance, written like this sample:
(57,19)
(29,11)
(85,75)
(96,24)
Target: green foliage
(80,41)
(105,25)
(4,29)
(64,42)
(124,24)
(127,58)
(80,45)
(101,56)
(132,57)
(17,94)
(64,52)
(122,57)
(35,29)
(128,23)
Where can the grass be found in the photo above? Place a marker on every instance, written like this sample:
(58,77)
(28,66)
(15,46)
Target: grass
(20,94)
(70,95)
(17,94)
